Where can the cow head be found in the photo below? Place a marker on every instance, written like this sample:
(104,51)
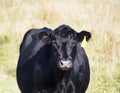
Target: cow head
(64,41)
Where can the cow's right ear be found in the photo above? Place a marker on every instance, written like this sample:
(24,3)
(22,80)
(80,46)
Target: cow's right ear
(43,36)
(82,34)
(50,38)
(46,38)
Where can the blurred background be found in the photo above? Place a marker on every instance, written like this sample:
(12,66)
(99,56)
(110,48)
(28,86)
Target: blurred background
(100,17)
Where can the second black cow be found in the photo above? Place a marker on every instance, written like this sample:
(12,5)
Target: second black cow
(53,62)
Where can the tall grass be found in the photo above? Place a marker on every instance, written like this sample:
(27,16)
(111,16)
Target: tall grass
(101,18)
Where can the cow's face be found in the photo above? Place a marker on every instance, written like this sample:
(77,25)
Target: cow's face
(64,48)
(64,45)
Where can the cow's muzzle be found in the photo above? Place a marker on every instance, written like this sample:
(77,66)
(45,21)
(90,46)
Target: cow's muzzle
(65,65)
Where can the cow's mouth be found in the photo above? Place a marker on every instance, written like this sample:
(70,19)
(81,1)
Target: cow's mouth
(65,68)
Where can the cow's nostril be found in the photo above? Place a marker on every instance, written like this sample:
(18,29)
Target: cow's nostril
(61,63)
(70,63)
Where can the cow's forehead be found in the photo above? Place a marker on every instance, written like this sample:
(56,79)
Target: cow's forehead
(65,34)
(65,37)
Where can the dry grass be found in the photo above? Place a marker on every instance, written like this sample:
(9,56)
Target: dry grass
(101,18)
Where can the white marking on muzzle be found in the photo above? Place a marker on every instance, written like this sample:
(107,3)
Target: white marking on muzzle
(65,65)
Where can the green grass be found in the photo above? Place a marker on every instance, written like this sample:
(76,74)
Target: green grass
(101,18)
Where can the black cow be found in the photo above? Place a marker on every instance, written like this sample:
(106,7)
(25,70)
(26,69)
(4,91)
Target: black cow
(54,63)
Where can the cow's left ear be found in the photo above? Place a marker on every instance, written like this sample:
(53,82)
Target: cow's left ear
(82,34)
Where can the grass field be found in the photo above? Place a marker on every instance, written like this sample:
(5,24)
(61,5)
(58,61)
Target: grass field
(100,17)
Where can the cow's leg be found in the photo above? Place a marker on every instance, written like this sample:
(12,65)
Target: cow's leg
(37,78)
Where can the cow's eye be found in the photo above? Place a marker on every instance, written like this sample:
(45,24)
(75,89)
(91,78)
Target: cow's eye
(73,44)
(55,44)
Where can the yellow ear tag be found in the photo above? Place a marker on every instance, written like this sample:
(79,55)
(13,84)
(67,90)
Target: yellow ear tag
(83,43)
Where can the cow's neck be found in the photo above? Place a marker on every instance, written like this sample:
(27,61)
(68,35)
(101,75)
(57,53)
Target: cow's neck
(77,64)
